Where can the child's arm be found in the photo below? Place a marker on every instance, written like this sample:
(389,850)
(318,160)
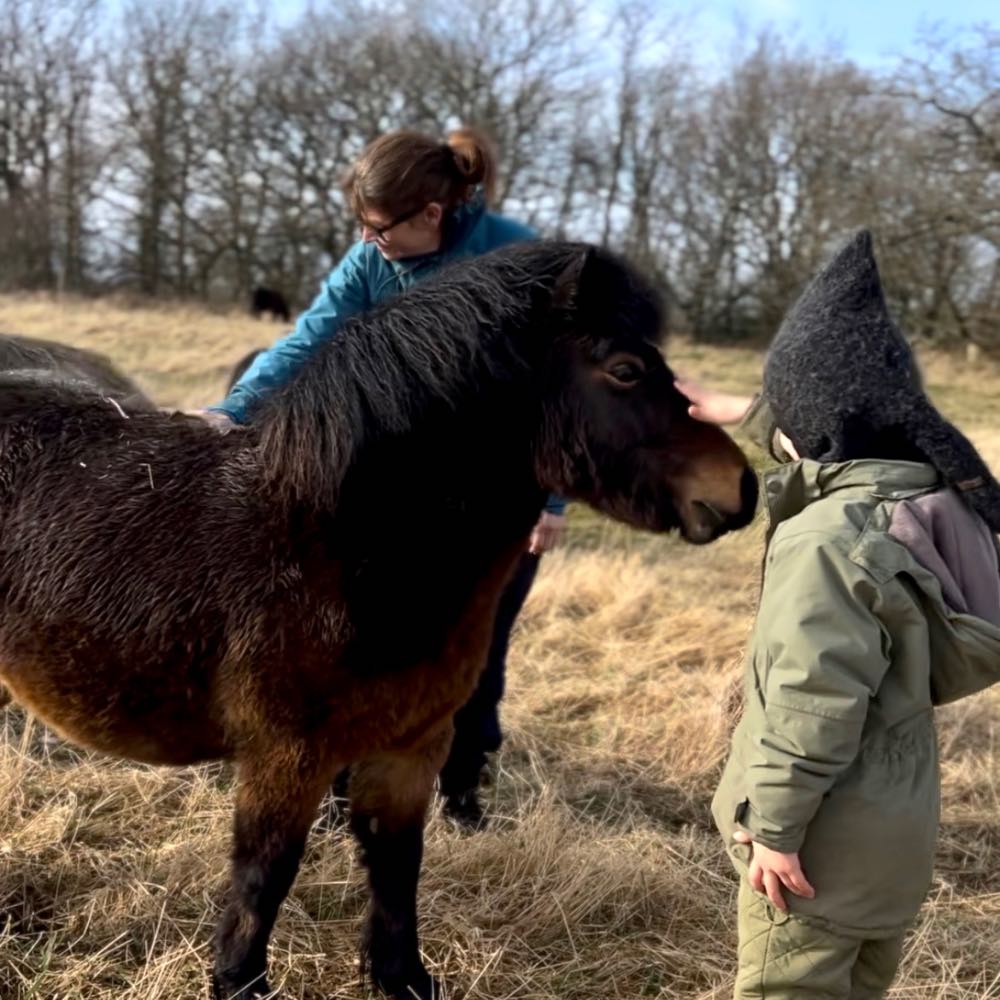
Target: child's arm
(826,653)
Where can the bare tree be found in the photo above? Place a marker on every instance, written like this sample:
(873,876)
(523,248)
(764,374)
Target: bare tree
(515,67)
(944,224)
(46,141)
(166,65)
(775,156)
(217,145)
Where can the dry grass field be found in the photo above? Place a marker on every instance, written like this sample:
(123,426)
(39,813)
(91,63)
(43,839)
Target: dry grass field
(601,876)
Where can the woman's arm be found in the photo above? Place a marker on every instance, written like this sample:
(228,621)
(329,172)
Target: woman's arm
(344,293)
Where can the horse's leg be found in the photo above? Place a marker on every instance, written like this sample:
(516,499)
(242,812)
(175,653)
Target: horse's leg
(276,802)
(389,796)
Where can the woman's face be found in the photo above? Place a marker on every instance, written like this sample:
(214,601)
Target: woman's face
(406,235)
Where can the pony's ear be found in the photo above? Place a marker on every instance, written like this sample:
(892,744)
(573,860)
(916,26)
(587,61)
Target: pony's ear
(567,285)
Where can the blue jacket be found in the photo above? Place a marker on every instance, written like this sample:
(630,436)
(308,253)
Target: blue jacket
(360,281)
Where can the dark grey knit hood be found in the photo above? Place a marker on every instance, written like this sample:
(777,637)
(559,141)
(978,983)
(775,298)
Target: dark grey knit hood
(842,383)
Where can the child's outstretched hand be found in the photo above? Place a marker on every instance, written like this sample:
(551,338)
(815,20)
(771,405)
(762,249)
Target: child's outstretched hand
(712,406)
(770,870)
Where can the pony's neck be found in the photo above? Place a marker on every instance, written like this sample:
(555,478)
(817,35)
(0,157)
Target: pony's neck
(424,520)
(452,468)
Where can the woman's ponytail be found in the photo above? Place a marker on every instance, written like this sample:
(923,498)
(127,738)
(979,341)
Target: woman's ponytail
(475,156)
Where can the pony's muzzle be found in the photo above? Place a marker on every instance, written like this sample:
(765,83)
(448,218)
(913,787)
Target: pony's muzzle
(705,519)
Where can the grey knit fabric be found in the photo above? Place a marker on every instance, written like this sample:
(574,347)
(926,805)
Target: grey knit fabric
(842,382)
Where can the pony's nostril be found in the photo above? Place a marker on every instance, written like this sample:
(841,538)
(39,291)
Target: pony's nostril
(715,516)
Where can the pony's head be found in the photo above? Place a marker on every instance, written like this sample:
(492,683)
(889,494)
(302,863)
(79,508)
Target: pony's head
(553,345)
(616,431)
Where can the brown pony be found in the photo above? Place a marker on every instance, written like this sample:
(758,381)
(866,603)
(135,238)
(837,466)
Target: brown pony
(319,590)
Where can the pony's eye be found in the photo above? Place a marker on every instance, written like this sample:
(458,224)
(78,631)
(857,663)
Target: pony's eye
(626,372)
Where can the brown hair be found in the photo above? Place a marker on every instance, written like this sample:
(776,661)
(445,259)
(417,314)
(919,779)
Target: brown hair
(404,170)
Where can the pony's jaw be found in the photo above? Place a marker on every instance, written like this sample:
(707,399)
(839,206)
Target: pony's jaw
(646,490)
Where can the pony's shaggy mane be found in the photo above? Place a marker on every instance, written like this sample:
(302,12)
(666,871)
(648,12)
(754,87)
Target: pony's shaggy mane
(432,344)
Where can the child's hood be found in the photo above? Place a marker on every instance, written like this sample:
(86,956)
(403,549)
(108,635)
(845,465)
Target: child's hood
(949,540)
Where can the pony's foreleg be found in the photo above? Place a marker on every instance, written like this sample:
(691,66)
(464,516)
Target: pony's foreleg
(276,800)
(389,796)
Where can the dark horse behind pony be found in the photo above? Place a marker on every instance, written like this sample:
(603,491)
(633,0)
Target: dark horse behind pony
(65,363)
(169,594)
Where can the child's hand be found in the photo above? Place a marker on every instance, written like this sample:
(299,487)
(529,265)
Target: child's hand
(770,870)
(712,406)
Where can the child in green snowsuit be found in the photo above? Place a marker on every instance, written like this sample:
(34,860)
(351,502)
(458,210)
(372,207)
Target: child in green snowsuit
(880,600)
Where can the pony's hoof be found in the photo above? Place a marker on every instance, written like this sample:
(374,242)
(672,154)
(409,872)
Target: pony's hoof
(417,984)
(225,989)
(464,812)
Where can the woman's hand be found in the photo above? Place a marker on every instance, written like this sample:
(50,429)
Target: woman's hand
(222,422)
(711,406)
(547,534)
(770,870)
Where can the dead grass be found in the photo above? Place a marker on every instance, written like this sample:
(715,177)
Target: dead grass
(601,877)
(181,355)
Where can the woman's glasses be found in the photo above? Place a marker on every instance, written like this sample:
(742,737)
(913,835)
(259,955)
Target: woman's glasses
(380,231)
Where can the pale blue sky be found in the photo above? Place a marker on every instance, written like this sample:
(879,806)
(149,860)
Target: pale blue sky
(869,30)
